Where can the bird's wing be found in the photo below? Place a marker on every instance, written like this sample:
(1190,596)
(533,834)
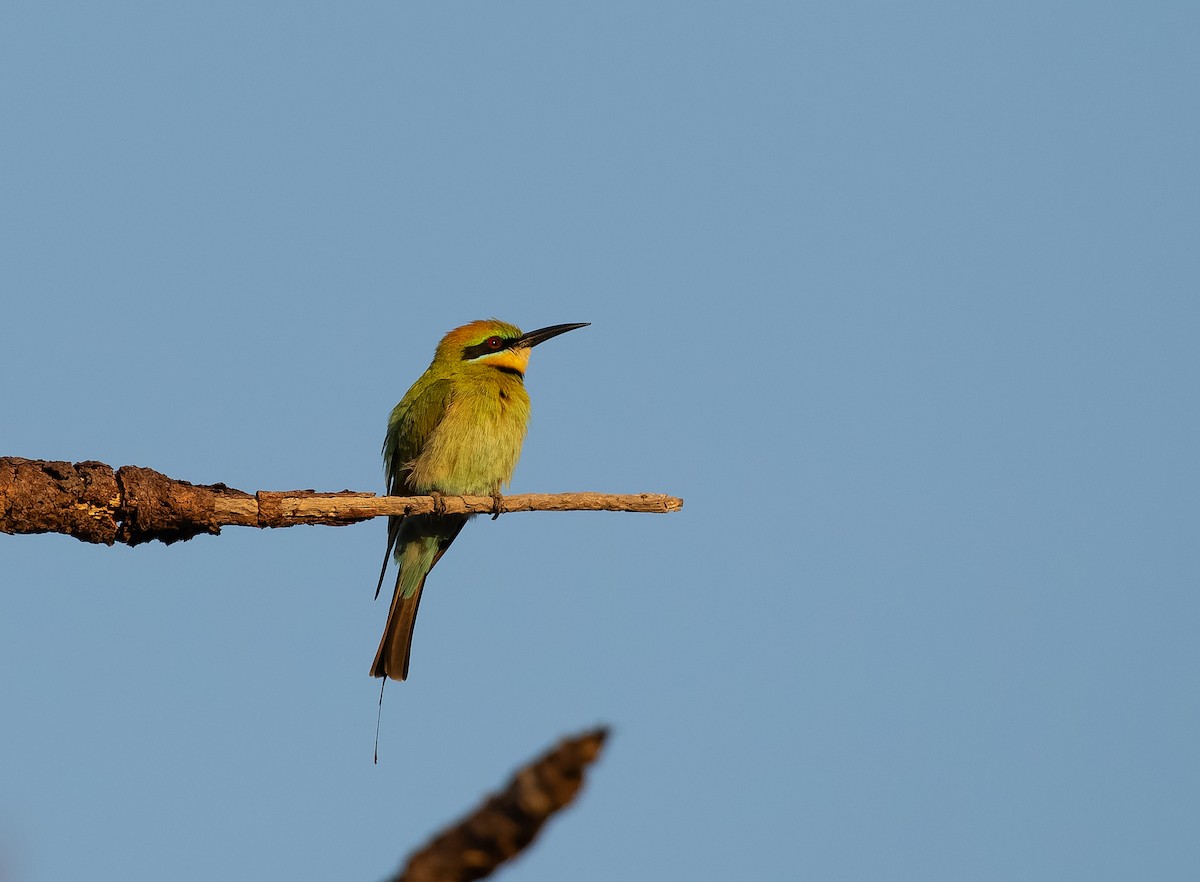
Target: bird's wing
(412,422)
(409,427)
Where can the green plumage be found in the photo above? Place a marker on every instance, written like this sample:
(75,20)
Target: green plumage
(457,431)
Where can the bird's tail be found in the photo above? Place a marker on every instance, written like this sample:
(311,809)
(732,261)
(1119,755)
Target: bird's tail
(417,557)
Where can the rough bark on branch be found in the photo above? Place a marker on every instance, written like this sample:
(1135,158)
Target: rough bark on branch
(95,503)
(508,821)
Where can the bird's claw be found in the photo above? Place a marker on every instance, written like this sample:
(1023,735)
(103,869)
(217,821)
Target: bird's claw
(439,503)
(497,500)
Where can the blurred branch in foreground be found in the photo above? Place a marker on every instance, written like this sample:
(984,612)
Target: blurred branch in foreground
(95,503)
(508,821)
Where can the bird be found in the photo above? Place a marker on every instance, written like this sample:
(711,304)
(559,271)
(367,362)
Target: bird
(457,431)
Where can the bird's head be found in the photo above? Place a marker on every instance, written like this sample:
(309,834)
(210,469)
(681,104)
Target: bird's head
(496,344)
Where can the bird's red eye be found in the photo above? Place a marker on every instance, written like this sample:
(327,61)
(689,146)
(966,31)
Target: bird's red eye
(494,342)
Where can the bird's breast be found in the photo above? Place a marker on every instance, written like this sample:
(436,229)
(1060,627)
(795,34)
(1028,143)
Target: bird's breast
(477,443)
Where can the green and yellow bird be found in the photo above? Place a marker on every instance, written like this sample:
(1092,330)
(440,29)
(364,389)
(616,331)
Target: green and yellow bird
(457,431)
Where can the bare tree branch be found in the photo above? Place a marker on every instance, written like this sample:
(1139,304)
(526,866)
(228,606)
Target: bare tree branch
(95,503)
(508,821)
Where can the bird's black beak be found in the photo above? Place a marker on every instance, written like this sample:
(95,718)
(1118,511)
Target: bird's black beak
(541,335)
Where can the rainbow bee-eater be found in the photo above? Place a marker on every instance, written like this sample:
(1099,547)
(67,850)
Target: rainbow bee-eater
(457,431)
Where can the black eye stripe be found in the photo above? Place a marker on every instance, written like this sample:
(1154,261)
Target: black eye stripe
(488,346)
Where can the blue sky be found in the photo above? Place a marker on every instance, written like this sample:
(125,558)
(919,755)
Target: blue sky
(901,298)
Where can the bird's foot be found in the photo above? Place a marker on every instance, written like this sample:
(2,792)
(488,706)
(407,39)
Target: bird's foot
(439,502)
(497,501)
